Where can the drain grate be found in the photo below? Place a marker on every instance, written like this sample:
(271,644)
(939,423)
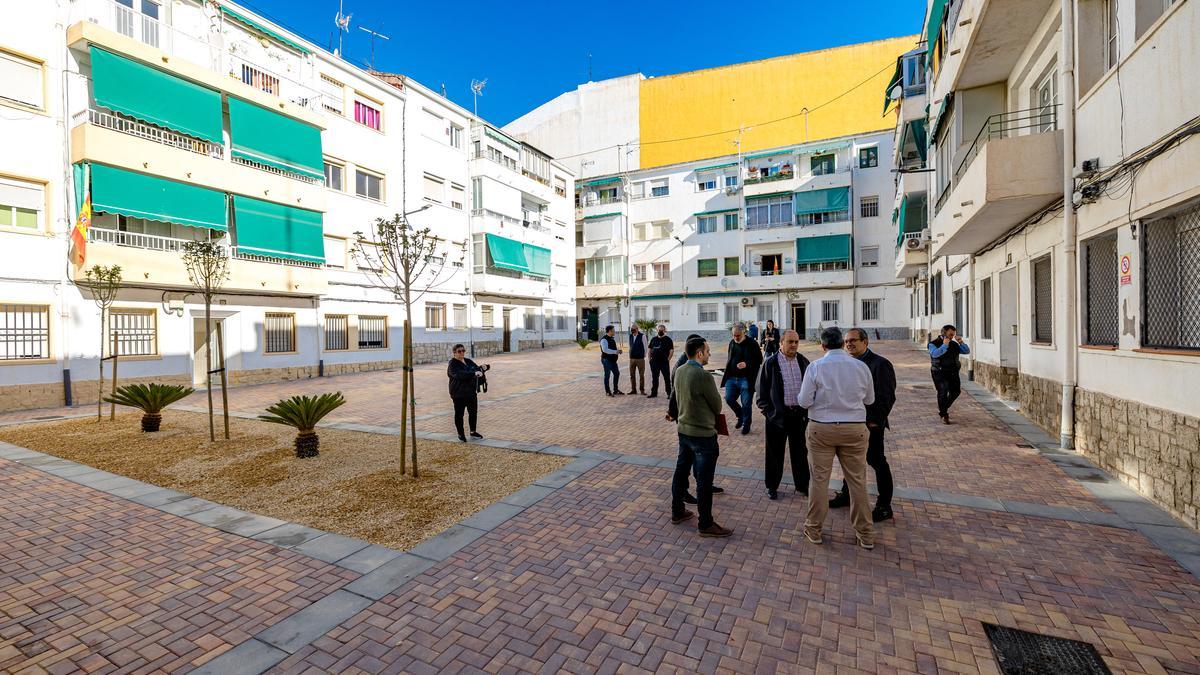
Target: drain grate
(1020,652)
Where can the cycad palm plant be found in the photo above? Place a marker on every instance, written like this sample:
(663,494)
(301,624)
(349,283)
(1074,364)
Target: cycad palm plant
(303,413)
(150,399)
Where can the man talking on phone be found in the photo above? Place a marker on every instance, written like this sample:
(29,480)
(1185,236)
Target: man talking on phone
(944,351)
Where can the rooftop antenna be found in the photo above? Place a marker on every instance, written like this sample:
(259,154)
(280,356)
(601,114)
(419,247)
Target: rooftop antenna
(589,66)
(342,21)
(373,36)
(477,89)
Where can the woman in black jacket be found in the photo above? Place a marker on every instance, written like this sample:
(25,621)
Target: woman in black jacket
(464,376)
(770,339)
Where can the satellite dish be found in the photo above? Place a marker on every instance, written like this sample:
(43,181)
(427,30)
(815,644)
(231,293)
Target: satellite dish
(725,282)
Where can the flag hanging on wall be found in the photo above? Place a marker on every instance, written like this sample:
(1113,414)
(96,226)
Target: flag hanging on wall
(84,221)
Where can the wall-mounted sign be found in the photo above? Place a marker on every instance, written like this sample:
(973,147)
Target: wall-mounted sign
(1126,266)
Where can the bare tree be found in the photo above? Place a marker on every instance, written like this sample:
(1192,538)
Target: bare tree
(408,263)
(207,265)
(104,283)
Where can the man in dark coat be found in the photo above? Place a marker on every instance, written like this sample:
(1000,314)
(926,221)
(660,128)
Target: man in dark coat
(883,376)
(741,374)
(661,349)
(944,351)
(464,376)
(779,401)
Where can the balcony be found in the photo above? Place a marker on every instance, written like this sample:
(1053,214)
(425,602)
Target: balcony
(1013,168)
(991,35)
(909,261)
(172,139)
(598,291)
(794,181)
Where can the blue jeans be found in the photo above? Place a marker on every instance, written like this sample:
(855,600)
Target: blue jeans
(737,395)
(611,368)
(697,455)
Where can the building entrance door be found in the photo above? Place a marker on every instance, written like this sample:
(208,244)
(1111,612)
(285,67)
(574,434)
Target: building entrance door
(799,318)
(1010,341)
(507,330)
(591,323)
(199,355)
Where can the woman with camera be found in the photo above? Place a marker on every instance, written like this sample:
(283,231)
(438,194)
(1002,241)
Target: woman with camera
(466,378)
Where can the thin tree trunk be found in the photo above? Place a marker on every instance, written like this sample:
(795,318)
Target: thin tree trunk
(212,432)
(100,379)
(408,359)
(403,403)
(112,408)
(224,393)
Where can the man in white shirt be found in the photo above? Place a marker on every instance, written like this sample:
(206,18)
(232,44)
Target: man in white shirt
(837,389)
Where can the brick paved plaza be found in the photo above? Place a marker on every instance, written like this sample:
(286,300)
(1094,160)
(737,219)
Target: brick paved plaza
(583,571)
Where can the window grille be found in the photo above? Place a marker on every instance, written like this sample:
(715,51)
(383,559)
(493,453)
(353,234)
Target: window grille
(1171,281)
(1100,282)
(868,207)
(280,333)
(372,332)
(24,332)
(870,310)
(134,331)
(337,331)
(829,310)
(1043,301)
(707,313)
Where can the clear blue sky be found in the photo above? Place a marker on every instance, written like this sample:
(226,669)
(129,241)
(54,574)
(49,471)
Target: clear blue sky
(531,52)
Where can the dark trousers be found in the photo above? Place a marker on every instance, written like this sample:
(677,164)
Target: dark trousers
(698,456)
(877,460)
(791,434)
(948,388)
(471,405)
(611,369)
(660,368)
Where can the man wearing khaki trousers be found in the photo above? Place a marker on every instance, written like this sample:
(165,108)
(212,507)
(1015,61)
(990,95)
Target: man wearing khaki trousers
(837,389)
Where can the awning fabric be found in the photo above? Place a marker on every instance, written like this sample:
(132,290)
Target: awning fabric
(141,196)
(266,137)
(601,215)
(717,211)
(911,215)
(274,35)
(917,127)
(936,123)
(823,201)
(768,195)
(892,82)
(502,138)
(150,95)
(827,248)
(508,254)
(277,230)
(715,167)
(538,260)
(602,181)
(827,147)
(933,28)
(772,153)
(902,221)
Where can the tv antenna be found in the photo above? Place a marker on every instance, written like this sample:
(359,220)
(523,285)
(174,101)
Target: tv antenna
(477,89)
(342,21)
(374,35)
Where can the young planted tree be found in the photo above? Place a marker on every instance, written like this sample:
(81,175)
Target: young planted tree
(150,399)
(104,283)
(208,269)
(304,413)
(407,263)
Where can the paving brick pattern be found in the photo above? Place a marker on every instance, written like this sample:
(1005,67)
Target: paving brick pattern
(90,582)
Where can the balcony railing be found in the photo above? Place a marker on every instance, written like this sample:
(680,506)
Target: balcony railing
(277,171)
(765,226)
(150,242)
(1038,120)
(127,125)
(755,178)
(254,257)
(599,201)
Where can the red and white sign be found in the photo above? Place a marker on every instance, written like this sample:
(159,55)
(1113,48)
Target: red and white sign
(1126,265)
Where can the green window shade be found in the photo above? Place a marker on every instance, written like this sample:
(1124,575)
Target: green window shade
(934,26)
(274,35)
(823,201)
(706,267)
(262,136)
(917,129)
(911,216)
(732,267)
(153,96)
(277,231)
(507,254)
(538,260)
(827,248)
(896,78)
(141,196)
(602,181)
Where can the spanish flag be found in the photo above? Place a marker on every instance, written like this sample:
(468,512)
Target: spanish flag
(84,221)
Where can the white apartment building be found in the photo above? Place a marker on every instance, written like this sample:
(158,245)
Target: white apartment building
(199,120)
(798,234)
(1064,221)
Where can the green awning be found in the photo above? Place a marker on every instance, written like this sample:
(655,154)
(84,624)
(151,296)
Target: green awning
(150,95)
(277,231)
(715,167)
(538,260)
(274,35)
(917,128)
(936,123)
(77,176)
(772,153)
(502,138)
(825,148)
(768,195)
(823,201)
(895,80)
(141,196)
(602,181)
(901,222)
(266,137)
(601,215)
(933,27)
(827,248)
(717,211)
(507,254)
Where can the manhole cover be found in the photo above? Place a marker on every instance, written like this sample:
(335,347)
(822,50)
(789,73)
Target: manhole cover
(1020,652)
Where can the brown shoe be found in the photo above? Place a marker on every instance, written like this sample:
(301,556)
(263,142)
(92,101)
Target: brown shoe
(715,530)
(864,543)
(814,538)
(679,518)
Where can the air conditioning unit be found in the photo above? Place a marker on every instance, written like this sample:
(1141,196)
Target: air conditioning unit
(747,302)
(914,243)
(733,190)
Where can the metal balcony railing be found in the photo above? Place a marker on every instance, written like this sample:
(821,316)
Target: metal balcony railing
(254,257)
(599,201)
(128,125)
(150,242)
(277,171)
(1038,120)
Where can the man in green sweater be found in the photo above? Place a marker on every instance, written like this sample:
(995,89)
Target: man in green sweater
(699,404)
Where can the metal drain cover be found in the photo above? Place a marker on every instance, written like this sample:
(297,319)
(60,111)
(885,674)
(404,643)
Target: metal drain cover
(1020,652)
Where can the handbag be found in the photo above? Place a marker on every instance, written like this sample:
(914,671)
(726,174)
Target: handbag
(722,425)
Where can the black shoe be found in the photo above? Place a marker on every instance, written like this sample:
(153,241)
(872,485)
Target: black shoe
(772,495)
(738,425)
(689,499)
(608,394)
(880,514)
(746,429)
(462,438)
(476,435)
(651,395)
(840,501)
(618,393)
(717,490)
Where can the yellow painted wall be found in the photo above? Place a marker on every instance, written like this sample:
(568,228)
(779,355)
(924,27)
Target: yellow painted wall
(747,94)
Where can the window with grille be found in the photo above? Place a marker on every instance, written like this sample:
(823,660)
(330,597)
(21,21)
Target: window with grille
(706,267)
(1100,279)
(765,312)
(260,80)
(337,332)
(829,310)
(487,317)
(868,207)
(868,256)
(935,293)
(24,332)
(662,313)
(460,317)
(985,297)
(530,320)
(279,333)
(731,312)
(134,331)
(1043,301)
(560,321)
(959,320)
(372,332)
(435,316)
(1171,281)
(870,310)
(706,312)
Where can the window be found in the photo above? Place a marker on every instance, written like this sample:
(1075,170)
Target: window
(134,331)
(24,332)
(985,297)
(661,313)
(530,320)
(764,311)
(639,313)
(279,333)
(337,332)
(914,74)
(823,164)
(333,175)
(260,80)
(868,256)
(706,224)
(659,188)
(606,195)
(733,267)
(707,312)
(335,253)
(435,316)
(706,182)
(637,190)
(21,203)
(823,217)
(1171,281)
(731,180)
(598,230)
(868,157)
(868,207)
(639,271)
(368,185)
(1045,94)
(434,189)
(1043,301)
(560,321)
(731,222)
(771,264)
(372,332)
(706,267)
(870,310)
(549,321)
(1100,277)
(829,310)
(769,212)
(731,312)
(488,317)
(935,293)
(1112,37)
(460,317)
(458,195)
(609,270)
(456,136)
(662,271)
(333,95)
(368,115)
(960,309)
(831,266)
(22,80)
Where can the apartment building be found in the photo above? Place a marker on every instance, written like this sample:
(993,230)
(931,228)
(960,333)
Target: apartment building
(1064,221)
(197,120)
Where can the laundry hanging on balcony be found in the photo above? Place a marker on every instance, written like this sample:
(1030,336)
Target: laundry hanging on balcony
(151,95)
(142,196)
(830,200)
(822,249)
(277,230)
(262,136)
